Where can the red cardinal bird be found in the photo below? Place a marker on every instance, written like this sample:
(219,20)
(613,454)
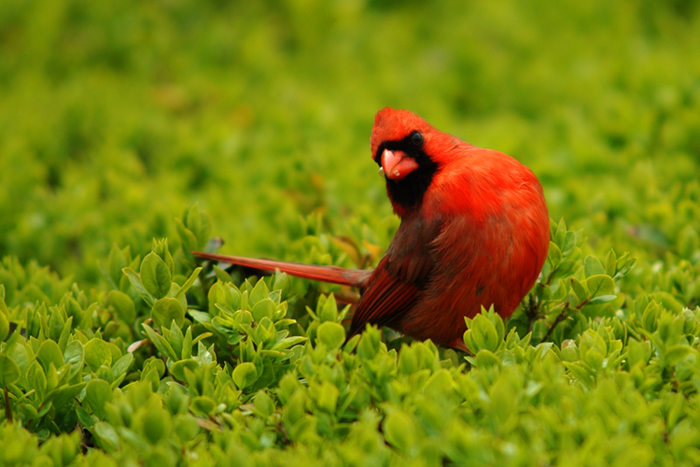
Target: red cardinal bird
(474,231)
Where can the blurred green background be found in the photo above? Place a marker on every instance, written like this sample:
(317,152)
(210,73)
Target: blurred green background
(117,115)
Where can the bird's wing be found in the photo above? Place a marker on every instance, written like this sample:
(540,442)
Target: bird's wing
(385,299)
(400,277)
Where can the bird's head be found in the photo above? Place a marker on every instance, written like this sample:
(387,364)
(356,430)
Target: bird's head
(409,152)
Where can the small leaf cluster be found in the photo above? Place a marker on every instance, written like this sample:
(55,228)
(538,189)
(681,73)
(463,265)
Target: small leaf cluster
(571,288)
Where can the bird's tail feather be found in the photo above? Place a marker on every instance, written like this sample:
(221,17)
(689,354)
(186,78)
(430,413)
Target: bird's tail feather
(332,274)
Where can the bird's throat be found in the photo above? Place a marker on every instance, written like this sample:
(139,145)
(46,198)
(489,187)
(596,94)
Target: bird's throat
(408,192)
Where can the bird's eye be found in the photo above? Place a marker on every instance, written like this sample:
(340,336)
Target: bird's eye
(416,138)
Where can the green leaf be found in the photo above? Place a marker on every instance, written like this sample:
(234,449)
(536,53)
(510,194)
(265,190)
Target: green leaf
(503,397)
(189,240)
(56,323)
(611,263)
(400,430)
(688,242)
(638,352)
(564,269)
(558,231)
(569,244)
(97,353)
(136,283)
(165,311)
(294,408)
(484,333)
(624,265)
(599,300)
(332,334)
(117,261)
(554,255)
(107,436)
(177,369)
(408,361)
(264,308)
(3,304)
(185,426)
(281,281)
(97,394)
(288,342)
(155,275)
(9,371)
(73,310)
(123,305)
(203,405)
(156,424)
(199,223)
(327,397)
(19,353)
(259,292)
(600,284)
(263,404)
(368,345)
(650,316)
(245,374)
(594,358)
(674,354)
(592,266)
(188,283)
(75,356)
(187,343)
(329,310)
(668,301)
(160,248)
(50,352)
(160,342)
(222,275)
(120,367)
(486,358)
(36,377)
(64,394)
(200,316)
(579,289)
(580,373)
(4,326)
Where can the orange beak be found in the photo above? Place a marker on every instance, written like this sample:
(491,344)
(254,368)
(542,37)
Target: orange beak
(397,164)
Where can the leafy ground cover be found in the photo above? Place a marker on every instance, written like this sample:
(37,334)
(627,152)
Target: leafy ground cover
(121,123)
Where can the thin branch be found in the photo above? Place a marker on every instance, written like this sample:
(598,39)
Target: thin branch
(8,407)
(560,317)
(531,311)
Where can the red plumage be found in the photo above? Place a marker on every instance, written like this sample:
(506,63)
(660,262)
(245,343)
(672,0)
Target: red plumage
(474,232)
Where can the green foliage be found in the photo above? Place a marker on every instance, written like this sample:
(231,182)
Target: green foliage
(124,351)
(219,371)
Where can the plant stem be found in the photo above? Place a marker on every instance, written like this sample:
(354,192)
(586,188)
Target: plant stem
(531,311)
(8,407)
(560,317)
